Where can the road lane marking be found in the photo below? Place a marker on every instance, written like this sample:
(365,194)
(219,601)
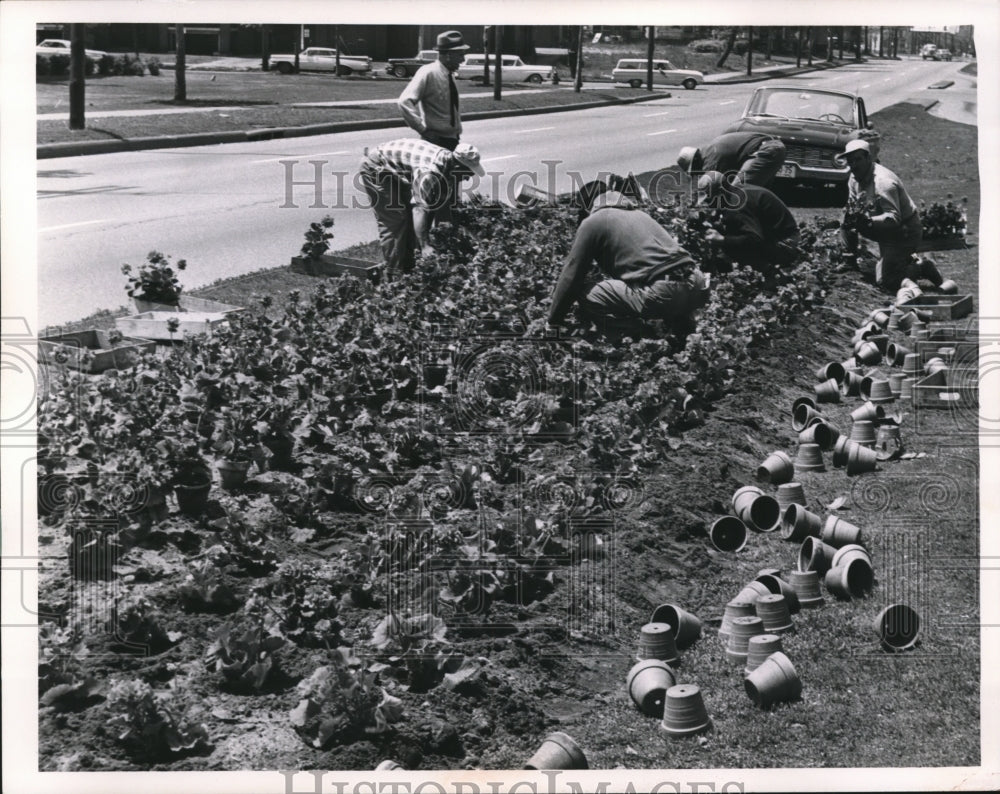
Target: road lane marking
(494,159)
(536,129)
(728,102)
(303,157)
(70,225)
(661,132)
(650,115)
(866,85)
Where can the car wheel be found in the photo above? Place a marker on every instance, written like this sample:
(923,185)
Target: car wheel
(400,71)
(690,84)
(534,78)
(344,71)
(284,68)
(635,83)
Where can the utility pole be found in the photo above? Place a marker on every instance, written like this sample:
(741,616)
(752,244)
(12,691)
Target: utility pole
(498,68)
(265,48)
(798,48)
(749,51)
(840,50)
(809,45)
(578,81)
(336,43)
(77,78)
(650,47)
(487,30)
(180,66)
(299,45)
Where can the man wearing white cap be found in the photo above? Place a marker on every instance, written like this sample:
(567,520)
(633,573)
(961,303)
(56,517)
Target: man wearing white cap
(881,210)
(646,274)
(748,157)
(408,181)
(429,103)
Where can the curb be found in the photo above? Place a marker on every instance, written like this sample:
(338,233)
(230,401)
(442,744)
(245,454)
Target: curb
(47,151)
(926,104)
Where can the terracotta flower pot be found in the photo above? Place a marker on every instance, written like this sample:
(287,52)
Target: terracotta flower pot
(735,609)
(759,647)
(866,330)
(868,412)
(758,511)
(850,386)
(832,370)
(656,641)
(888,442)
(850,552)
(815,555)
(774,681)
(949,287)
(898,627)
(861,460)
(387,766)
(743,497)
(863,433)
(779,586)
(880,317)
(880,392)
(685,625)
(193,499)
(790,493)
(906,321)
(828,391)
(751,592)
(728,534)
(741,630)
(911,365)
(853,580)
(896,384)
(935,364)
(820,433)
(906,388)
(776,468)
(233,473)
(809,458)
(798,523)
(802,415)
(868,353)
(803,401)
(806,586)
(837,532)
(684,712)
(648,682)
(558,751)
(774,612)
(896,354)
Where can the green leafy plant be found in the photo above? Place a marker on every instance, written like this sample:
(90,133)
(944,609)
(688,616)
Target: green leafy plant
(155,281)
(244,654)
(317,238)
(153,724)
(304,603)
(205,590)
(136,626)
(944,220)
(341,703)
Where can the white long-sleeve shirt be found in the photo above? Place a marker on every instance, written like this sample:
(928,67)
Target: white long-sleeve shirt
(426,101)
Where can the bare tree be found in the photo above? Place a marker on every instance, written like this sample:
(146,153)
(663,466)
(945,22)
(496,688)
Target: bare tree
(498,68)
(180,67)
(650,48)
(749,51)
(265,48)
(730,43)
(77,78)
(578,77)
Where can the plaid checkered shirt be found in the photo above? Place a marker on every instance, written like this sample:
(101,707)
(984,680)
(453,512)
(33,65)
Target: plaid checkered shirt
(417,163)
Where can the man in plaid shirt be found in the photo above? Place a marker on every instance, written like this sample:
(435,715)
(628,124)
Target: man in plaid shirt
(408,180)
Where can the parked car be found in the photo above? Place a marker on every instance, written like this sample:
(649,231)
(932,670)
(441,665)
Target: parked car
(407,67)
(942,55)
(814,125)
(927,51)
(633,72)
(62,47)
(514,69)
(321,59)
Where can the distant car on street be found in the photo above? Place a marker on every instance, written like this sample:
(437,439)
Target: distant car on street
(927,51)
(814,125)
(321,59)
(942,55)
(62,47)
(407,67)
(514,69)
(633,72)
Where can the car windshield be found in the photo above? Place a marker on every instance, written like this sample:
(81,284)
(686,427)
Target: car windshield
(814,105)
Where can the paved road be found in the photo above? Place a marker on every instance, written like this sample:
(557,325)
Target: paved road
(231,209)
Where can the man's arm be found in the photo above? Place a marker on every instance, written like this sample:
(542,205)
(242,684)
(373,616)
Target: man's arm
(573,276)
(422,218)
(888,202)
(409,103)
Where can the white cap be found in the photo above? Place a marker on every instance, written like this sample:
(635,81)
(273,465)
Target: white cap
(855,145)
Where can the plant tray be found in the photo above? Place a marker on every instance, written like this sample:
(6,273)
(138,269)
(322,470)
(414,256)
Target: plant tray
(153,325)
(943,244)
(952,333)
(948,388)
(530,196)
(105,356)
(963,354)
(941,307)
(334,265)
(189,303)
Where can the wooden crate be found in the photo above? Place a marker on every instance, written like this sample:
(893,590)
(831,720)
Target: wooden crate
(73,346)
(964,354)
(941,307)
(336,265)
(952,333)
(153,325)
(189,303)
(948,388)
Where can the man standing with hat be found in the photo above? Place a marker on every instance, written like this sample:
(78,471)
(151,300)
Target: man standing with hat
(879,208)
(429,103)
(408,181)
(748,157)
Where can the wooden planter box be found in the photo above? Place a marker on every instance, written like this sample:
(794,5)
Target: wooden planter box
(941,307)
(153,325)
(188,303)
(948,388)
(952,333)
(335,265)
(530,196)
(106,356)
(942,244)
(964,355)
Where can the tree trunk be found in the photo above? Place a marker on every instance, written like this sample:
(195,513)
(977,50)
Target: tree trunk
(336,43)
(809,45)
(798,48)
(840,50)
(486,50)
(180,67)
(730,43)
(298,46)
(578,78)
(650,48)
(77,78)
(749,51)
(498,66)
(770,44)
(265,48)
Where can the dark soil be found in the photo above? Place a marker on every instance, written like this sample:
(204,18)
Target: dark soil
(559,662)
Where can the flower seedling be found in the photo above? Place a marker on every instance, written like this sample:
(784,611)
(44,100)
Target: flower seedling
(155,281)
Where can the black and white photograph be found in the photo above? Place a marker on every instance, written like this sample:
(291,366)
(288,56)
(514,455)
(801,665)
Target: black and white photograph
(499,397)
